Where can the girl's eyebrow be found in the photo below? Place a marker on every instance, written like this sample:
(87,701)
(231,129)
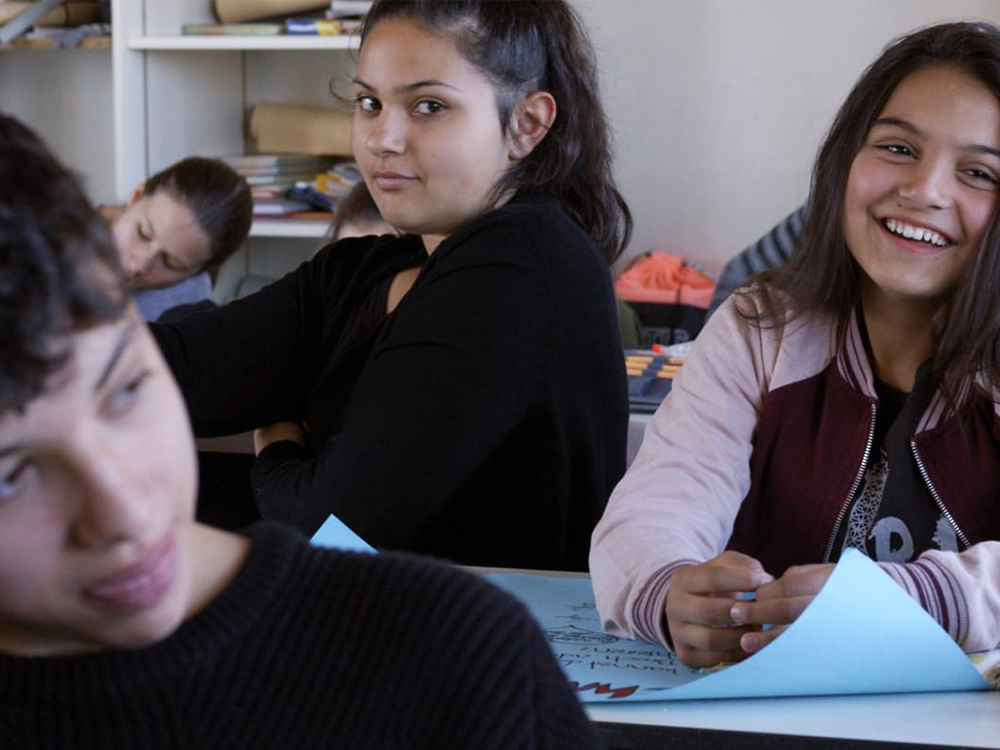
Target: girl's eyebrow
(410,87)
(898,122)
(975,148)
(126,338)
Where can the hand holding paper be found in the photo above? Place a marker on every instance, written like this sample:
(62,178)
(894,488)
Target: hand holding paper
(861,634)
(699,607)
(779,603)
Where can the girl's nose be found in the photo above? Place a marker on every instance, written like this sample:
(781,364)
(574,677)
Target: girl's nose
(138,261)
(112,508)
(386,135)
(928,185)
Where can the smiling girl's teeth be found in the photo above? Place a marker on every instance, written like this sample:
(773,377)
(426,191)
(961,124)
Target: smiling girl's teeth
(915,233)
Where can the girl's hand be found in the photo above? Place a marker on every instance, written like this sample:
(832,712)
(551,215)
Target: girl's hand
(779,604)
(264,436)
(699,603)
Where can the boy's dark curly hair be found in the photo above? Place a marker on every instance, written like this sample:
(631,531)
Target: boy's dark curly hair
(59,270)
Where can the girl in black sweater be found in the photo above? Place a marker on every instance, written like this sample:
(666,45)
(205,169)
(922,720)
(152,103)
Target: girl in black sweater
(458,389)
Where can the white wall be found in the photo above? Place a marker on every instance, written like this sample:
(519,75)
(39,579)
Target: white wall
(65,95)
(718,106)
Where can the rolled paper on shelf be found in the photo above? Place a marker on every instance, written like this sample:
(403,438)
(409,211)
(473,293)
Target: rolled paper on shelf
(67,14)
(236,11)
(298,129)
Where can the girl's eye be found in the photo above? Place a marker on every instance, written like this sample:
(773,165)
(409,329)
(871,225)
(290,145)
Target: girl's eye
(12,481)
(981,175)
(172,264)
(429,107)
(142,233)
(124,397)
(367,103)
(898,149)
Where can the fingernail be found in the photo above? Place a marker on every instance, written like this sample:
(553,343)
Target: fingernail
(736,615)
(748,643)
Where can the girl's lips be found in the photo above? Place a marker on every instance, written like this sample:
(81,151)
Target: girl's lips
(390,180)
(918,232)
(141,585)
(912,246)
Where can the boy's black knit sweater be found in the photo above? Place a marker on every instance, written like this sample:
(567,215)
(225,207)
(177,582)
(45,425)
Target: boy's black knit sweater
(312,648)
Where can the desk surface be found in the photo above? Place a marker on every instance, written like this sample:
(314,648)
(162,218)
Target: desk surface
(855,721)
(846,722)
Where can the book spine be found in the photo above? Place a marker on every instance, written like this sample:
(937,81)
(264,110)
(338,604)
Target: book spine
(312,26)
(232,29)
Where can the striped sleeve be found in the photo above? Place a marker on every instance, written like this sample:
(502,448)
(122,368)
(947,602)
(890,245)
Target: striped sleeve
(960,590)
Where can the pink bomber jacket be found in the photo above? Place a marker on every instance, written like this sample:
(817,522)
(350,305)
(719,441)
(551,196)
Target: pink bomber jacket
(759,447)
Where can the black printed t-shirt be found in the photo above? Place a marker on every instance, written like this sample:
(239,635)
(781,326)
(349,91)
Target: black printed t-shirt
(893,516)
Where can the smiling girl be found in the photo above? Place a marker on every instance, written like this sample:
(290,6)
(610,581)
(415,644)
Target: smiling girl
(848,399)
(458,389)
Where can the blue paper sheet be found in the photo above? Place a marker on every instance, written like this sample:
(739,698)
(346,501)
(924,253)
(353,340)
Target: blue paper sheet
(335,533)
(861,634)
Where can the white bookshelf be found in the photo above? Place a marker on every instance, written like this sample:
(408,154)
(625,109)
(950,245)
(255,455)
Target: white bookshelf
(294,228)
(176,95)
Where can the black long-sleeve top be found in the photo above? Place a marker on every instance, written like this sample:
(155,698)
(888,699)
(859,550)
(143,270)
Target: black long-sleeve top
(311,648)
(484,420)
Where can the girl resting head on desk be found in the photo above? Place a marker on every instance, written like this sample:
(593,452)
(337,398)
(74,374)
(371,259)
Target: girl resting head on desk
(847,399)
(457,389)
(123,623)
(178,227)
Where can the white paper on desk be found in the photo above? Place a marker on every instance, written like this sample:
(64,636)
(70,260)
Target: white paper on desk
(861,634)
(335,533)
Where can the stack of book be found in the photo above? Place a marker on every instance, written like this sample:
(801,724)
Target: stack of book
(272,17)
(295,185)
(349,13)
(326,191)
(300,25)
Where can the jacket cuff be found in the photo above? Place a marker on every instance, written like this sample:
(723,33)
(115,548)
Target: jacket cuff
(650,615)
(935,589)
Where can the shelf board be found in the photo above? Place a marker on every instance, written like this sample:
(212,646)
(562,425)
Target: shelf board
(278,42)
(305,228)
(87,42)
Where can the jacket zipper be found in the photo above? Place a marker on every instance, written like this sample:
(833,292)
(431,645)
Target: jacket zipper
(934,494)
(854,487)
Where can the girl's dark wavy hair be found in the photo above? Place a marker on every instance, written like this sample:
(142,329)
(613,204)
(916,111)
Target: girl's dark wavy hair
(822,275)
(59,269)
(524,46)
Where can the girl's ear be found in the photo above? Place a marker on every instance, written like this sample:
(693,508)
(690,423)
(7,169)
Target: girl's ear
(531,122)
